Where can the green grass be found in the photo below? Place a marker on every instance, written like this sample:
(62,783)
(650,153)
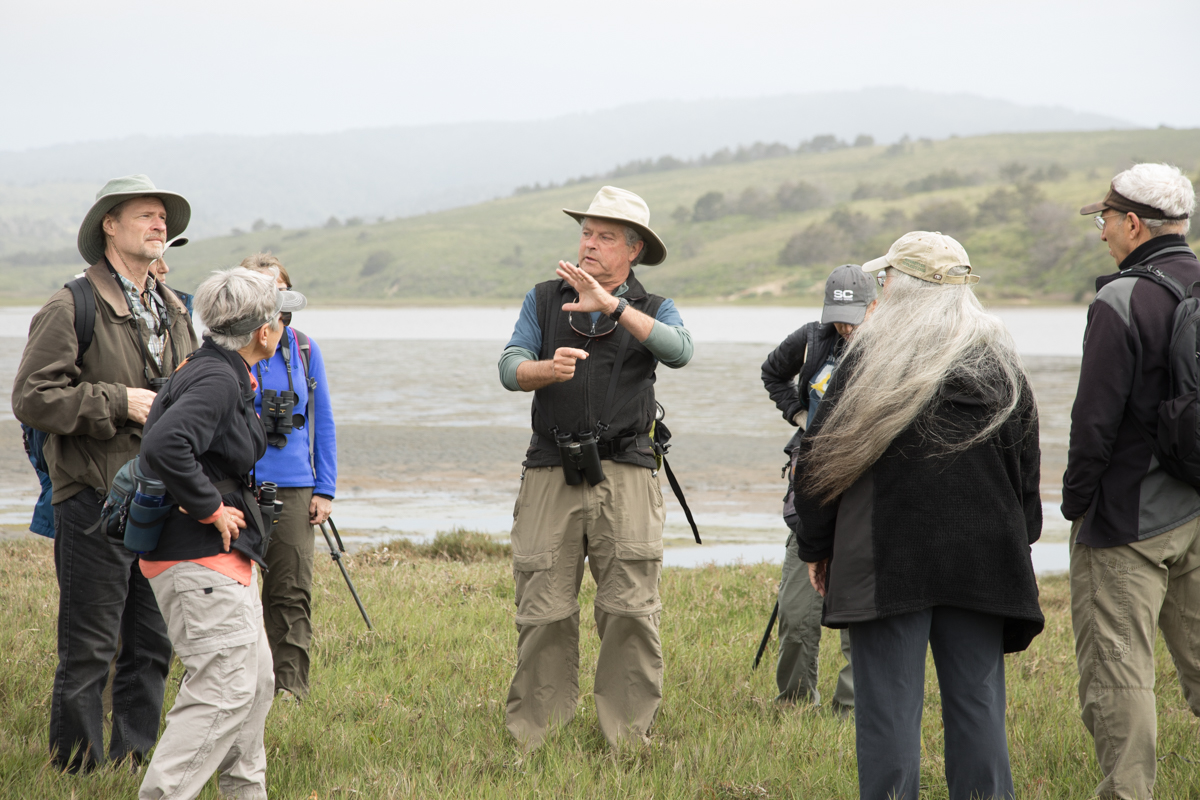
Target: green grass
(416,709)
(497,250)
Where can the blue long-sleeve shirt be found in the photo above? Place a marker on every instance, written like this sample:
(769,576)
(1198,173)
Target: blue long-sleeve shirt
(289,466)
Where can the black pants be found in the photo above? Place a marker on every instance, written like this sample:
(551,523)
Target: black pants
(103,598)
(889,689)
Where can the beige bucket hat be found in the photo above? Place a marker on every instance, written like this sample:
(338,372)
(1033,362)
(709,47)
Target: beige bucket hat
(118,190)
(620,205)
(928,256)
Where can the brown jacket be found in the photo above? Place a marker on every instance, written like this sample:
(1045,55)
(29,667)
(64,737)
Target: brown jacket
(84,408)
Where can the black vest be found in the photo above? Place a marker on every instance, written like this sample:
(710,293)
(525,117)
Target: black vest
(577,405)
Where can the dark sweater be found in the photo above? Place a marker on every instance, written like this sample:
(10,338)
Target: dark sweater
(1110,480)
(924,528)
(790,366)
(198,433)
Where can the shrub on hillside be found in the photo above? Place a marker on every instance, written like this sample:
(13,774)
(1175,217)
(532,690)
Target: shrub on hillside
(800,196)
(710,206)
(950,217)
(819,243)
(946,179)
(377,262)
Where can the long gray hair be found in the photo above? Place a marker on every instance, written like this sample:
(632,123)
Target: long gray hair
(921,336)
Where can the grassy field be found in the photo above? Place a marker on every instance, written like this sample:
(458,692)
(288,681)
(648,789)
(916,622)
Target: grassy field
(1021,227)
(416,708)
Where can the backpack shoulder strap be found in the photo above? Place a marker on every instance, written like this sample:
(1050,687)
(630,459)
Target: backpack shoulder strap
(1156,275)
(305,347)
(85,315)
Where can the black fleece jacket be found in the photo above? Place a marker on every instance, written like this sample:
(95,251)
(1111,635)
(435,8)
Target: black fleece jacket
(1112,480)
(790,366)
(199,433)
(925,528)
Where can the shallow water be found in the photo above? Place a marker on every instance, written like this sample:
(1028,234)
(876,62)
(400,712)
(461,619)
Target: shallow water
(429,440)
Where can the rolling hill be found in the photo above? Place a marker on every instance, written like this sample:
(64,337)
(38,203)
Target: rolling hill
(763,227)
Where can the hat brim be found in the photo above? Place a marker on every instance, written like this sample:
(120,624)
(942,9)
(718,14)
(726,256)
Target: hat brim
(852,315)
(876,264)
(91,235)
(655,251)
(291,301)
(1094,208)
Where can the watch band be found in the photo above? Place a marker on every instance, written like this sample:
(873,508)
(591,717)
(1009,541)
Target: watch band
(622,304)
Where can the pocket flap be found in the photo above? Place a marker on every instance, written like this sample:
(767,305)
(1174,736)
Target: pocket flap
(639,551)
(190,581)
(537,562)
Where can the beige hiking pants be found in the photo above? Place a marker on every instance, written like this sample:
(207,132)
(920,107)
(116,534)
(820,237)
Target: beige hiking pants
(1120,596)
(617,526)
(217,722)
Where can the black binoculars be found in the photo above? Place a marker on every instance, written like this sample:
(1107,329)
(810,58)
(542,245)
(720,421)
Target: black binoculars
(277,413)
(269,510)
(580,458)
(156,384)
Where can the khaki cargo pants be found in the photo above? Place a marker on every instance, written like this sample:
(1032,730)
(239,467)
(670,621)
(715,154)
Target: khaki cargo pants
(1120,596)
(617,526)
(287,591)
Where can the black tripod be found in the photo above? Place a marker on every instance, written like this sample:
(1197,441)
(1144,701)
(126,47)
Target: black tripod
(335,552)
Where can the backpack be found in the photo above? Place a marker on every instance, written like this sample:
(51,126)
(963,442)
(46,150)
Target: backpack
(1176,440)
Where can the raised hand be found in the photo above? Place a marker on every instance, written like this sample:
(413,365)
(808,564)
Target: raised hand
(592,296)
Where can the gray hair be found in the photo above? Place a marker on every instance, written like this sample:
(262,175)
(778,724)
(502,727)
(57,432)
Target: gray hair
(921,337)
(632,237)
(1162,227)
(232,295)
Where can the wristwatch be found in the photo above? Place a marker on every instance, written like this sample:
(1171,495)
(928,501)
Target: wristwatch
(622,304)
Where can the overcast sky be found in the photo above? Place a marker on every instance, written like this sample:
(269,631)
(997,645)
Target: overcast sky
(73,71)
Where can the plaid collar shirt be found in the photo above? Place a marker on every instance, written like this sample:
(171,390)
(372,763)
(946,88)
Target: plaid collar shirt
(149,308)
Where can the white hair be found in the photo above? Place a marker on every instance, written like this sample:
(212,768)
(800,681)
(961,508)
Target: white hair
(922,339)
(233,295)
(1161,186)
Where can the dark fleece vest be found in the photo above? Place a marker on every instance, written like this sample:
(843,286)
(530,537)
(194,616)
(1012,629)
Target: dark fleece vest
(576,405)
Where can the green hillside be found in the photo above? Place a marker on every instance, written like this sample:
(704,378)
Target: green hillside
(768,228)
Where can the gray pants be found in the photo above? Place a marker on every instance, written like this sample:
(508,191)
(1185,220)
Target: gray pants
(800,638)
(217,722)
(1120,597)
(889,668)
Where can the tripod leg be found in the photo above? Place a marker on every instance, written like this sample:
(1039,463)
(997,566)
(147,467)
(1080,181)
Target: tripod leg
(337,558)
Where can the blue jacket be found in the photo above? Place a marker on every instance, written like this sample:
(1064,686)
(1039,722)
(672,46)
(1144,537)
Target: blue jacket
(289,466)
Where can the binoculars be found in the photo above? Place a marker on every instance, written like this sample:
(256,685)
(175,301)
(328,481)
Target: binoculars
(269,510)
(156,384)
(277,415)
(580,458)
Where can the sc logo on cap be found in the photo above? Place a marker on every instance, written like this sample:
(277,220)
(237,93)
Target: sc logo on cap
(845,295)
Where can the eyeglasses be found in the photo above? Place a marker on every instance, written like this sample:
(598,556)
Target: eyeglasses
(1101,220)
(881,277)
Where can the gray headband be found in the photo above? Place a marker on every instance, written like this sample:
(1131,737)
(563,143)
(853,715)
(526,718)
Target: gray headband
(246,325)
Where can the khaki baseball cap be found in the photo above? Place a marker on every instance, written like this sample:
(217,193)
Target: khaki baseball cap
(928,256)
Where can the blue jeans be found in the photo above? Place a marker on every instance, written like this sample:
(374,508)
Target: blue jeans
(104,602)
(889,684)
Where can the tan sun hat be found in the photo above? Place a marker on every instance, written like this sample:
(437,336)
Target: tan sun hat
(117,191)
(620,205)
(928,256)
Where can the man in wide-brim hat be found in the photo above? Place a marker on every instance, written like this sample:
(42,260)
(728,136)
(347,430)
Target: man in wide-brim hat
(91,388)
(588,344)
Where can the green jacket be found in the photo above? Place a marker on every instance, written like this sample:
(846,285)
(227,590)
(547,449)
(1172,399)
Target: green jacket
(84,408)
